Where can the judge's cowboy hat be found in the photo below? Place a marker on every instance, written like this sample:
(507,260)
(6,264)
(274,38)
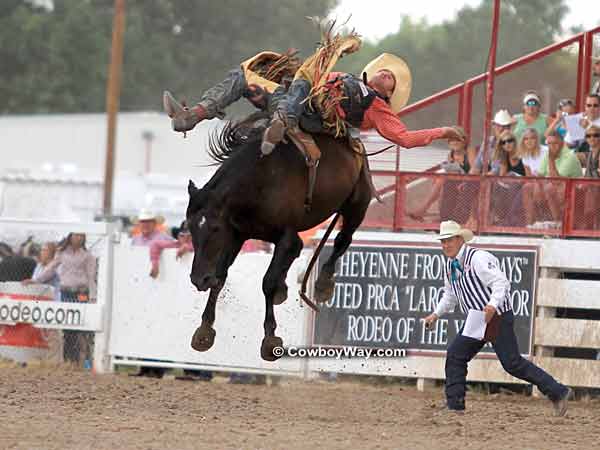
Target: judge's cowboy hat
(401,73)
(450,228)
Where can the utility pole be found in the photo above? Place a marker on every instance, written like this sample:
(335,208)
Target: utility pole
(113,91)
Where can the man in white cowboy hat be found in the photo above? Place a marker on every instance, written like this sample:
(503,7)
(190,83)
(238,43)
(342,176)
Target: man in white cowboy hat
(345,101)
(473,280)
(503,121)
(148,232)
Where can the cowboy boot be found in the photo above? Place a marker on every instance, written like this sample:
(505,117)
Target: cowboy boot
(289,109)
(182,118)
(274,133)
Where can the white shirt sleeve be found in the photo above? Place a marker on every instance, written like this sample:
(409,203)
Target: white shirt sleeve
(488,269)
(448,301)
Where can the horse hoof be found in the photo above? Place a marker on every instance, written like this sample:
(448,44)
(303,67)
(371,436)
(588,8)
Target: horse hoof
(281,294)
(271,348)
(324,288)
(203,338)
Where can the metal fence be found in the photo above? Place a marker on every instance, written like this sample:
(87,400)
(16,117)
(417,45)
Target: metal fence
(51,311)
(560,207)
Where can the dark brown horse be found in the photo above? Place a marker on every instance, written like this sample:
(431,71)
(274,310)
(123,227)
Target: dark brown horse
(253,197)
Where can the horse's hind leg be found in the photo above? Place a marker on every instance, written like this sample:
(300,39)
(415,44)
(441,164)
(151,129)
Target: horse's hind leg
(353,213)
(286,251)
(204,336)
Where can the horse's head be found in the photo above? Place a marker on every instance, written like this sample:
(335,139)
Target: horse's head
(211,236)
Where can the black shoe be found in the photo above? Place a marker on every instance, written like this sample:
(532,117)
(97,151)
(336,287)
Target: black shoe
(196,375)
(150,372)
(561,405)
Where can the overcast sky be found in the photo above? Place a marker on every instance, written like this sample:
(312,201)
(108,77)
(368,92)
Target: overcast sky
(374,19)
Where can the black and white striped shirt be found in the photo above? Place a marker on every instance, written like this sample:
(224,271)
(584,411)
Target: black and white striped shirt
(480,283)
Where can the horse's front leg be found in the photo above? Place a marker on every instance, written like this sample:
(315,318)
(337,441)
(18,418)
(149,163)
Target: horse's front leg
(287,249)
(353,214)
(204,336)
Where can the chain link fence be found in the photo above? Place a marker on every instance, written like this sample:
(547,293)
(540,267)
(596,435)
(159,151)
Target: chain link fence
(47,276)
(558,207)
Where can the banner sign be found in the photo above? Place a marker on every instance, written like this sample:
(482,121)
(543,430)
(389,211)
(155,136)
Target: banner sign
(383,293)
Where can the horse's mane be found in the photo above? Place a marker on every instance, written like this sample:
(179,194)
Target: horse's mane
(226,141)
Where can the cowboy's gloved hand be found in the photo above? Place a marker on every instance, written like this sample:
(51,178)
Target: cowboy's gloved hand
(257,96)
(452,134)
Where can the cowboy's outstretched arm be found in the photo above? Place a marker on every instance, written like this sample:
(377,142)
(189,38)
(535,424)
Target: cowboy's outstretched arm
(383,119)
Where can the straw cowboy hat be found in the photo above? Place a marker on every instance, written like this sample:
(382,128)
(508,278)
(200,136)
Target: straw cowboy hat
(503,118)
(450,228)
(401,73)
(146,214)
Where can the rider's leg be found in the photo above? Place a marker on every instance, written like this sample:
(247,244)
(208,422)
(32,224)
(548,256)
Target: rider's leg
(288,112)
(211,104)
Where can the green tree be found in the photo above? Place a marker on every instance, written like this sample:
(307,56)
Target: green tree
(57,60)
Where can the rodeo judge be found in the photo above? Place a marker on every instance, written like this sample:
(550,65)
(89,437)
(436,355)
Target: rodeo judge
(474,280)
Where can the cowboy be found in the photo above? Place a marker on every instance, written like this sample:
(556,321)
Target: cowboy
(345,101)
(261,79)
(473,279)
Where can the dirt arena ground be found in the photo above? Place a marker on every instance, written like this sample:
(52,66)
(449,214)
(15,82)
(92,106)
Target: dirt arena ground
(53,408)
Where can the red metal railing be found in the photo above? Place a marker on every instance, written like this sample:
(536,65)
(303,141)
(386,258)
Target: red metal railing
(464,110)
(504,200)
(465,89)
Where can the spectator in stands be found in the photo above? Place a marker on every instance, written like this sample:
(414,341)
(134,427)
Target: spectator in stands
(503,121)
(559,162)
(183,244)
(565,107)
(76,269)
(590,116)
(531,117)
(451,192)
(47,254)
(507,197)
(592,170)
(506,153)
(148,230)
(531,151)
(596,73)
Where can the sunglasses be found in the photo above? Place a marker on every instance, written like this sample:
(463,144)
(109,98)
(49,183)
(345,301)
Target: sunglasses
(592,105)
(532,103)
(507,141)
(592,135)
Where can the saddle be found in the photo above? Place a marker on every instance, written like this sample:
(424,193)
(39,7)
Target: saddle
(255,125)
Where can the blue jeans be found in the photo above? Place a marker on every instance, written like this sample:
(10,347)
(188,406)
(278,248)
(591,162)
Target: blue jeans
(463,349)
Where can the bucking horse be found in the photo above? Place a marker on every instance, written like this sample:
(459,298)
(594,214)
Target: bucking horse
(254,197)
